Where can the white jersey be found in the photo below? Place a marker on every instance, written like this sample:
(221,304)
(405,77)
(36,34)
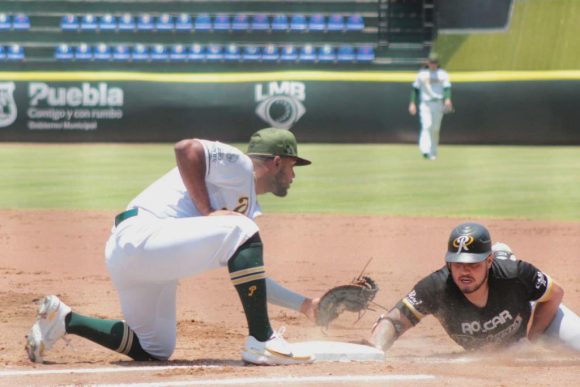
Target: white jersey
(229,179)
(431,84)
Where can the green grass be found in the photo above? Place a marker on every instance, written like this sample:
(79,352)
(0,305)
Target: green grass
(466,181)
(543,35)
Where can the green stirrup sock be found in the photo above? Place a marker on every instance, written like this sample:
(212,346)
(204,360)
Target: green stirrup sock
(247,273)
(113,334)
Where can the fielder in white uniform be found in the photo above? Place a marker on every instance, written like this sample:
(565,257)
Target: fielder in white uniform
(197,217)
(433,91)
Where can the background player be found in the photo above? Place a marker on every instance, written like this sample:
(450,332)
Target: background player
(197,217)
(483,299)
(433,91)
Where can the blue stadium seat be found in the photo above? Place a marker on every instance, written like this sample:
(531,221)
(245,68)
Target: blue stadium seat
(233,53)
(165,22)
(159,52)
(140,53)
(335,23)
(5,22)
(355,23)
(251,53)
(83,52)
(88,22)
(69,22)
(289,53)
(270,53)
(327,54)
(20,22)
(178,53)
(107,22)
(260,22)
(102,52)
(197,52)
(280,22)
(184,23)
(15,52)
(63,52)
(241,22)
(345,53)
(127,22)
(202,22)
(222,22)
(121,53)
(307,54)
(2,53)
(215,52)
(365,53)
(145,22)
(317,23)
(298,23)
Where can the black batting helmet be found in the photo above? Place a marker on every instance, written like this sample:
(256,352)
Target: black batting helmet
(468,243)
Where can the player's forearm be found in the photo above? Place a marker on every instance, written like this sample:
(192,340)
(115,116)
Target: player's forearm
(281,296)
(545,311)
(190,158)
(389,328)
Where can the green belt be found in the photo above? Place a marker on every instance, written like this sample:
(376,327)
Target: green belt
(125,215)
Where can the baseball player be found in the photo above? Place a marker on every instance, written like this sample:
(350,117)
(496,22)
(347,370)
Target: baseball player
(484,298)
(433,91)
(197,217)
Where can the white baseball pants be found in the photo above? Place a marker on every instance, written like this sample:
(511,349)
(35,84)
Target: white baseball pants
(431,115)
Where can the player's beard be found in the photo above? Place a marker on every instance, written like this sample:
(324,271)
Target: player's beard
(280,188)
(474,288)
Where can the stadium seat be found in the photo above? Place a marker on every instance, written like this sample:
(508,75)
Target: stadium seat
(15,52)
(102,52)
(145,22)
(241,22)
(183,23)
(121,53)
(260,22)
(355,23)
(127,22)
(365,53)
(20,22)
(165,22)
(233,53)
(83,52)
(215,52)
(88,22)
(5,22)
(69,22)
(317,23)
(327,54)
(280,22)
(107,22)
(298,23)
(202,22)
(159,52)
(345,53)
(2,53)
(178,53)
(140,53)
(197,52)
(289,53)
(271,53)
(335,23)
(222,22)
(64,52)
(251,53)
(307,54)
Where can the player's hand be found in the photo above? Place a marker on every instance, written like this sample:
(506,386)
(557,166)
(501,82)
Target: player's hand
(309,307)
(412,108)
(224,213)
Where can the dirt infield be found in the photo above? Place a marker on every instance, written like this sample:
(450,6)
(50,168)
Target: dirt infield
(61,252)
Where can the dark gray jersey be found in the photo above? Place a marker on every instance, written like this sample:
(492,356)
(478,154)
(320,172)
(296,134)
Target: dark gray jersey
(504,319)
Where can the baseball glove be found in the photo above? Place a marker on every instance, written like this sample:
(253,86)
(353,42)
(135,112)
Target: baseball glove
(353,297)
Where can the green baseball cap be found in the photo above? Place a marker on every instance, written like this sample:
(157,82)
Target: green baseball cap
(275,142)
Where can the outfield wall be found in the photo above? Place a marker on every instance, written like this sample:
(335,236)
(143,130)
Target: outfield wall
(498,108)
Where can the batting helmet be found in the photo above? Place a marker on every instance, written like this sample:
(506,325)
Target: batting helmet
(468,243)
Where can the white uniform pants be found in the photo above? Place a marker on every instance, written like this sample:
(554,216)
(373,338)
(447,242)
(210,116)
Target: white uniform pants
(146,256)
(430,114)
(565,328)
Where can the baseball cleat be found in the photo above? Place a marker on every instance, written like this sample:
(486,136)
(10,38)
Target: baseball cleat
(48,328)
(274,351)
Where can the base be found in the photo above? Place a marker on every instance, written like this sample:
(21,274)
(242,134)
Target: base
(328,351)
